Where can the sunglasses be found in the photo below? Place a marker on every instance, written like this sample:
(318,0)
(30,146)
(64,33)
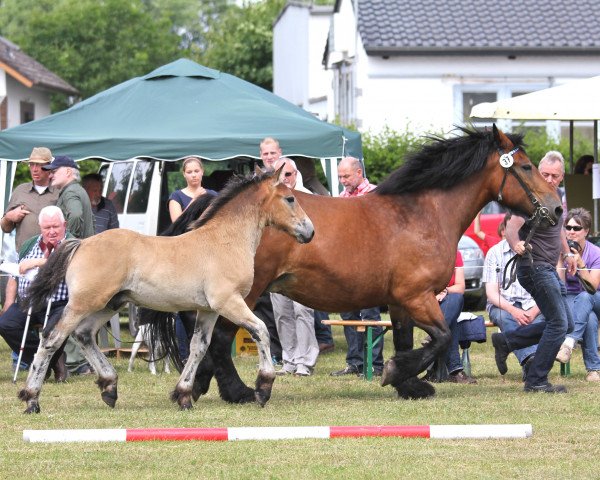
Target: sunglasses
(576,228)
(288,174)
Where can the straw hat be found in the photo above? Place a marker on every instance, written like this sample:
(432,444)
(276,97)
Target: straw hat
(40,155)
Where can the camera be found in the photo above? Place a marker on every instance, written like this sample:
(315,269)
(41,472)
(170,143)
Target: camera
(573,244)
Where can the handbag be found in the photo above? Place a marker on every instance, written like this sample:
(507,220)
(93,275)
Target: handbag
(471,328)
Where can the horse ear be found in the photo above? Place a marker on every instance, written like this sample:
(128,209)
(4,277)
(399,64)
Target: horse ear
(277,175)
(257,169)
(501,140)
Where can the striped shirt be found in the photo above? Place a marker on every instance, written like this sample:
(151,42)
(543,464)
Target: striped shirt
(36,251)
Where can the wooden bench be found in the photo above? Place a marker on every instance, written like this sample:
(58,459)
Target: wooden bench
(368,325)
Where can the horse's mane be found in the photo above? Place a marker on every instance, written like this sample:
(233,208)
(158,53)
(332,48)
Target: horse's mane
(443,163)
(234,187)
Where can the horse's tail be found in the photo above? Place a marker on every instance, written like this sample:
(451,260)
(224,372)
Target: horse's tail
(190,214)
(161,334)
(50,276)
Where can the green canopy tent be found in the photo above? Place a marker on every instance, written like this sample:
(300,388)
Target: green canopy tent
(180,109)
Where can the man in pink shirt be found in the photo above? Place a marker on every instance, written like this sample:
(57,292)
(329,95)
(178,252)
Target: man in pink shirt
(350,174)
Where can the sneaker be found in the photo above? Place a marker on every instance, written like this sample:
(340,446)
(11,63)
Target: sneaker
(283,371)
(303,371)
(349,370)
(461,377)
(593,376)
(502,352)
(545,388)
(564,354)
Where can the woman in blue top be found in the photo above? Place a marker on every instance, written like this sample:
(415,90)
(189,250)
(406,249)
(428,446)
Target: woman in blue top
(180,199)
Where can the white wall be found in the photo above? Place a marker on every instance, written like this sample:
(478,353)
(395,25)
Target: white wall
(17,92)
(299,39)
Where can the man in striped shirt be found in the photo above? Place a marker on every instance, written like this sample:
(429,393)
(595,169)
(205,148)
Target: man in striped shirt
(33,255)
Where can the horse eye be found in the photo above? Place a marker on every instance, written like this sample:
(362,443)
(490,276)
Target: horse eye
(527,167)
(290,200)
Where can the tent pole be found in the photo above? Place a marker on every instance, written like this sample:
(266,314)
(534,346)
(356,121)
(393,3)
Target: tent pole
(571,146)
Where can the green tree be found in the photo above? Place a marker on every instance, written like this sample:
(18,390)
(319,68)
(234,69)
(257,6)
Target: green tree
(240,42)
(93,44)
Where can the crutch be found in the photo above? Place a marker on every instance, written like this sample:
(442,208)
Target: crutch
(26,331)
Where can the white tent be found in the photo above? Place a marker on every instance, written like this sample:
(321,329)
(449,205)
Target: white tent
(577,100)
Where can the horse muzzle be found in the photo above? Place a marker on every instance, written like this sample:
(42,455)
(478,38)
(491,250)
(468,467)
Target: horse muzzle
(305,231)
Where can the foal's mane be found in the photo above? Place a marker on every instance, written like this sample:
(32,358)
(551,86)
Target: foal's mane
(235,186)
(443,163)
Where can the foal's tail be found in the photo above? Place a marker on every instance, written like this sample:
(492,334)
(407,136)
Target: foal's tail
(161,333)
(50,276)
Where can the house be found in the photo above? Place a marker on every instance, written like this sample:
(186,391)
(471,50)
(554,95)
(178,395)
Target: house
(423,65)
(26,87)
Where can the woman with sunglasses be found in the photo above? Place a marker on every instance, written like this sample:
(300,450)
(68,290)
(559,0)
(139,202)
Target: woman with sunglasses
(585,306)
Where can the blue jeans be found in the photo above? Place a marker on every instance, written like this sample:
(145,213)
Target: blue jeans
(506,323)
(586,309)
(542,282)
(451,306)
(356,340)
(322,331)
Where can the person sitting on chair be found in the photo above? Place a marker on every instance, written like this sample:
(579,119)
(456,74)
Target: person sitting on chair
(33,255)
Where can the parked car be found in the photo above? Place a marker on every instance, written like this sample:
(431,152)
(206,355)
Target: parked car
(491,216)
(473,260)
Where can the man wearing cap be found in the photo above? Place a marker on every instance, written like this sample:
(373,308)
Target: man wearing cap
(72,199)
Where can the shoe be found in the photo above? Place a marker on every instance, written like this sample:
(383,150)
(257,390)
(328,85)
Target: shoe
(502,352)
(349,370)
(526,366)
(461,377)
(60,369)
(326,347)
(593,376)
(302,371)
(84,369)
(564,354)
(283,372)
(545,388)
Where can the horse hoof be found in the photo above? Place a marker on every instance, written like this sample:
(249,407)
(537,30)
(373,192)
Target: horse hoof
(186,406)
(261,398)
(33,408)
(414,389)
(110,398)
(388,372)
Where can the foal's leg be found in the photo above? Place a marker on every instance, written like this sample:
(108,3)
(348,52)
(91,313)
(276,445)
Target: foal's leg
(427,315)
(205,322)
(403,326)
(137,343)
(85,336)
(50,343)
(238,312)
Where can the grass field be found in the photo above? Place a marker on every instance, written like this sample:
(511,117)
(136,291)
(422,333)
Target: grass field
(565,441)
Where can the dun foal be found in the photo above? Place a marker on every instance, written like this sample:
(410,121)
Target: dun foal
(209,270)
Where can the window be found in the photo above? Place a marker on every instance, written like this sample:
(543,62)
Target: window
(140,187)
(118,183)
(27,112)
(344,93)
(470,99)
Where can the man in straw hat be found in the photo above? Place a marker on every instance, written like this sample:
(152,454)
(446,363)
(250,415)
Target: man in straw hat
(28,199)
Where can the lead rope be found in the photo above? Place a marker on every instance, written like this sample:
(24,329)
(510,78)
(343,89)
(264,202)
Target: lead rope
(512,263)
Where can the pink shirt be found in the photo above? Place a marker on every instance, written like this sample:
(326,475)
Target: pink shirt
(364,187)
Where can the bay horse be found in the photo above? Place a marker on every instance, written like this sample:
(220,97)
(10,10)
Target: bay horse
(208,270)
(394,246)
